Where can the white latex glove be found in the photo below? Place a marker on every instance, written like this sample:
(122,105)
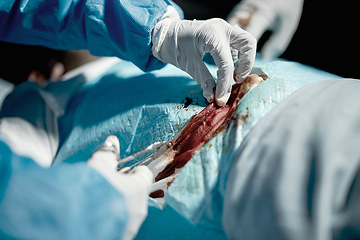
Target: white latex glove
(183,44)
(134,186)
(280,16)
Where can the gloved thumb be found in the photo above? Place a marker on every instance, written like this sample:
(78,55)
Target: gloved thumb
(105,157)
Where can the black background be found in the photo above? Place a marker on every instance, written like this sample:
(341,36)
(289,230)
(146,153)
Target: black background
(327,36)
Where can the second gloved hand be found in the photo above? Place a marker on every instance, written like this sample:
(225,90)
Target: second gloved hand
(134,186)
(183,44)
(280,16)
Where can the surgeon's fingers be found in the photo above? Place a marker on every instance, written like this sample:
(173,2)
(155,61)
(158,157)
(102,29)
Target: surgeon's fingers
(198,70)
(217,43)
(107,154)
(245,44)
(225,72)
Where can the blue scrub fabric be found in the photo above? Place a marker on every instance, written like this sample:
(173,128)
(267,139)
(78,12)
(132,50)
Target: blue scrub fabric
(297,174)
(142,108)
(60,202)
(106,28)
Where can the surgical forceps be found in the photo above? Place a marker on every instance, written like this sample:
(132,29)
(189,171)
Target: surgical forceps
(154,147)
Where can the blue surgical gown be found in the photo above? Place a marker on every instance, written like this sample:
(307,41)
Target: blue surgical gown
(119,28)
(60,202)
(71,202)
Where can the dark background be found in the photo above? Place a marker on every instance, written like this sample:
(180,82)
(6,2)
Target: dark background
(327,36)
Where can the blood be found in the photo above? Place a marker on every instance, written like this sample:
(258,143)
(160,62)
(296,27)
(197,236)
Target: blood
(188,101)
(157,194)
(200,129)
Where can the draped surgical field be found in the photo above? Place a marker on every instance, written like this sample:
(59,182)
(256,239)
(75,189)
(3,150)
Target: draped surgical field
(168,161)
(143,108)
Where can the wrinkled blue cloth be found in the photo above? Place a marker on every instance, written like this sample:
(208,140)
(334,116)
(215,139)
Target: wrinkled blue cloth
(60,202)
(106,28)
(297,174)
(144,108)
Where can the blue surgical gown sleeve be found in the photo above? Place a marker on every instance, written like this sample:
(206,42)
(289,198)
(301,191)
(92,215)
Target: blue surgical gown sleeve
(119,28)
(60,202)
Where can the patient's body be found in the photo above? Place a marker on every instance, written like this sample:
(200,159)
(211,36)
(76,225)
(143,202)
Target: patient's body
(201,128)
(297,175)
(153,112)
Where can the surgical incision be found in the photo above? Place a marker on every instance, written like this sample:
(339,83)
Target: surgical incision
(199,130)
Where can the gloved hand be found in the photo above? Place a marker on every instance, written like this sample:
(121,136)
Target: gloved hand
(280,16)
(183,44)
(134,186)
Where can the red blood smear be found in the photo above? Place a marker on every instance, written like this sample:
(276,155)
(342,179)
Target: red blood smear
(200,129)
(188,101)
(157,194)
